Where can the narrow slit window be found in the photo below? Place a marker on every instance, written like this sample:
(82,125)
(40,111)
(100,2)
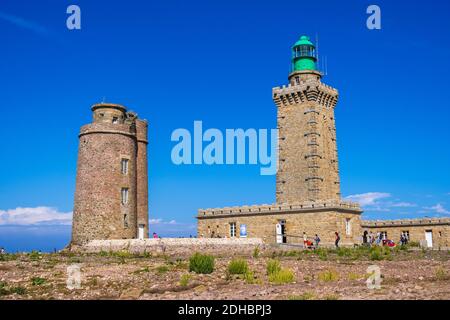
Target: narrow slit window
(124,166)
(348,227)
(124,195)
(125,221)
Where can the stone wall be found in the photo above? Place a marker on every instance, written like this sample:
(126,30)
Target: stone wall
(440,228)
(142,175)
(321,218)
(174,246)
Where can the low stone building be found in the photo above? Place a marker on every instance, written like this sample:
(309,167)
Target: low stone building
(428,232)
(284,223)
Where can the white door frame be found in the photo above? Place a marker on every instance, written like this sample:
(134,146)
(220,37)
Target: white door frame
(141,231)
(429,238)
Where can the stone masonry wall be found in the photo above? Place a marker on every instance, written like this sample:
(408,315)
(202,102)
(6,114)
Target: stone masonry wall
(308,163)
(174,246)
(440,228)
(142,175)
(98,209)
(261,222)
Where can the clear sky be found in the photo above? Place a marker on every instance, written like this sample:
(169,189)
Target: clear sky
(174,62)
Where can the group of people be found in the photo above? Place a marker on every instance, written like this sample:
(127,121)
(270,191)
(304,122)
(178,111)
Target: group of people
(309,244)
(369,239)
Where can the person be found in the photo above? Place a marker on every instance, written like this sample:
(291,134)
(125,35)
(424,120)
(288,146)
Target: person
(365,237)
(371,238)
(402,238)
(336,242)
(2,250)
(381,238)
(155,236)
(305,240)
(317,240)
(378,239)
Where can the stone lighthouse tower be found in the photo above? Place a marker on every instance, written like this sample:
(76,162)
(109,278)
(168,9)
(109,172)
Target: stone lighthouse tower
(111,196)
(308,163)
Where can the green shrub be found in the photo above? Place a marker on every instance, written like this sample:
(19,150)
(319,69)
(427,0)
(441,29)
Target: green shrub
(273,266)
(238,266)
(344,252)
(293,253)
(256,252)
(441,274)
(249,277)
(37,281)
(123,254)
(322,253)
(8,256)
(201,263)
(282,276)
(35,255)
(3,290)
(18,290)
(162,269)
(184,280)
(414,244)
(380,253)
(354,276)
(328,276)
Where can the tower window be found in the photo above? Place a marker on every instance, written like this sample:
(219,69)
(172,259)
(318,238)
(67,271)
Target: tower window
(232,229)
(125,221)
(115,120)
(124,166)
(124,195)
(348,227)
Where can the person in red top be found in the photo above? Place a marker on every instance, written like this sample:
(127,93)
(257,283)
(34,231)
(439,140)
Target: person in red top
(155,236)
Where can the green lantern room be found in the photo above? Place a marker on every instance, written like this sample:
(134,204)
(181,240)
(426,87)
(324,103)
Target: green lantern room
(303,55)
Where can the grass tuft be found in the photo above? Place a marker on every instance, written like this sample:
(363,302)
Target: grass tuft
(201,263)
(328,276)
(238,266)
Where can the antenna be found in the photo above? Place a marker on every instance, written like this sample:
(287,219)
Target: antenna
(317,47)
(326,66)
(103,100)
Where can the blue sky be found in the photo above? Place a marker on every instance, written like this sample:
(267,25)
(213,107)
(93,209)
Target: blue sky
(174,62)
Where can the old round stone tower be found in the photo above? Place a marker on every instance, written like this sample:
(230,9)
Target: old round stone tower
(111,196)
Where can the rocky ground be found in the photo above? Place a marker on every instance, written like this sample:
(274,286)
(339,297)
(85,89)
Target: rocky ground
(327,274)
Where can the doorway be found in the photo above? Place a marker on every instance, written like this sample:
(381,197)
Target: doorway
(141,229)
(281,236)
(429,238)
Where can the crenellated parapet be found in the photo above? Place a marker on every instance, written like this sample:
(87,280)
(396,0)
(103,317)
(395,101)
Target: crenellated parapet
(311,90)
(404,222)
(280,208)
